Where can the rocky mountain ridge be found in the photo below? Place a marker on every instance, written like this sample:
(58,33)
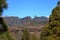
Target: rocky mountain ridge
(15,21)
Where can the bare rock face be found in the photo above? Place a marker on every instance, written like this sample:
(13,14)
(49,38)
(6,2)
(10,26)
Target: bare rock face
(15,21)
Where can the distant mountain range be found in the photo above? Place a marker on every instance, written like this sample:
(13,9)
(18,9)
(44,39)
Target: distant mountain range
(15,21)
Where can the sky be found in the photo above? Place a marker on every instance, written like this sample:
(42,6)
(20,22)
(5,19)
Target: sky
(23,8)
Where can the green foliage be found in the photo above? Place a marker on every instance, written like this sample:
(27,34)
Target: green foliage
(3,5)
(3,25)
(5,36)
(34,37)
(52,30)
(26,35)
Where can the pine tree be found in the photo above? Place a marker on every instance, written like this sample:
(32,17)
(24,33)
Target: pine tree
(26,35)
(4,34)
(52,30)
(3,5)
(3,26)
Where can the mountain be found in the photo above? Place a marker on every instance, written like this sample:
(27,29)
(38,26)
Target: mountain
(41,20)
(15,21)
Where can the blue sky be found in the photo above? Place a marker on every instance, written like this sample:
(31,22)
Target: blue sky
(22,8)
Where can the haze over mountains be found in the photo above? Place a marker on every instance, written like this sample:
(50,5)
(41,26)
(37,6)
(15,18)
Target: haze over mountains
(15,21)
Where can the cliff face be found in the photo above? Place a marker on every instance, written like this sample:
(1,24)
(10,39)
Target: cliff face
(15,21)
